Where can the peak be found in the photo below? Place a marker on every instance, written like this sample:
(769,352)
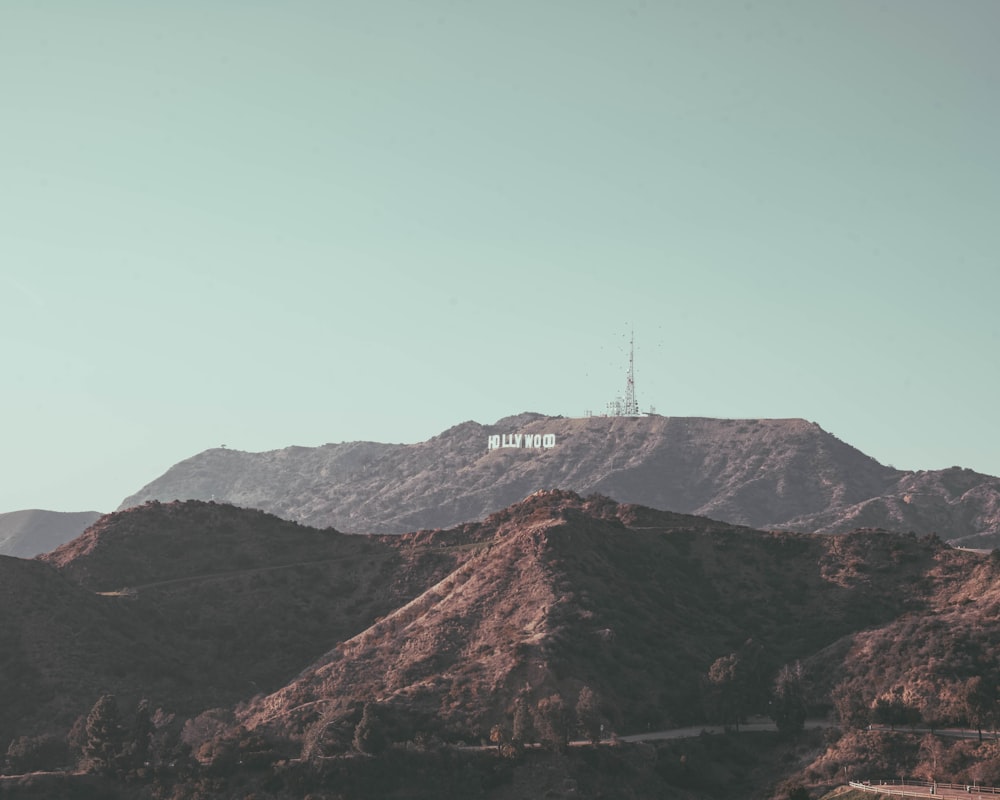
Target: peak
(524,418)
(467,428)
(163,541)
(547,500)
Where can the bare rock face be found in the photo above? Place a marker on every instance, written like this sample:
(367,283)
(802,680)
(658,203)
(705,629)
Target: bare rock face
(785,473)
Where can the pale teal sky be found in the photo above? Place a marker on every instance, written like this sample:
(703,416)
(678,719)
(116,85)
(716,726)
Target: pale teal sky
(274,223)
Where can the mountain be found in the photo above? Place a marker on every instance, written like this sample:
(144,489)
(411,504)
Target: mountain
(275,637)
(199,604)
(770,474)
(25,534)
(634,603)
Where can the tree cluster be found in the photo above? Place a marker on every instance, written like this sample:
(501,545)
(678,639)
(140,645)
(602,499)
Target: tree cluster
(112,748)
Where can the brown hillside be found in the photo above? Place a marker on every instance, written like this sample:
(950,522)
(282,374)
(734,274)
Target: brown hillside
(634,603)
(292,631)
(930,656)
(780,473)
(947,502)
(238,598)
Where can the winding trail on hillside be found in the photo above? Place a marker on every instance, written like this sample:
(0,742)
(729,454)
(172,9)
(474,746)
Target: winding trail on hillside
(257,570)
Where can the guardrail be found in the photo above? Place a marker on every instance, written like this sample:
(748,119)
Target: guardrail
(905,789)
(883,788)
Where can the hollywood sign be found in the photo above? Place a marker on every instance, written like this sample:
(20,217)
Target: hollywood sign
(537,440)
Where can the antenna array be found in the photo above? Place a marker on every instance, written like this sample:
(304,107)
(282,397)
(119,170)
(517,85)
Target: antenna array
(629,406)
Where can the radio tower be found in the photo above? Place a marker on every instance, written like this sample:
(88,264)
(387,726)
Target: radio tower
(631,408)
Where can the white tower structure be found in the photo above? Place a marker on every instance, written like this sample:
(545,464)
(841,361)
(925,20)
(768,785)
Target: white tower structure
(631,407)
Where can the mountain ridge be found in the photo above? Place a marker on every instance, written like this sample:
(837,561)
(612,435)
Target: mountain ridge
(781,474)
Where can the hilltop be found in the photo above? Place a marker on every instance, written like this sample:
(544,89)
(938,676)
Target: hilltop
(240,598)
(770,474)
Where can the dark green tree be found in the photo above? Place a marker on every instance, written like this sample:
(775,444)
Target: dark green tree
(368,735)
(851,705)
(104,738)
(524,727)
(979,698)
(892,710)
(788,703)
(727,690)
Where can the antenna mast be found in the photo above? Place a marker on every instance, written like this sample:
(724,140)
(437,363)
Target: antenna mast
(631,408)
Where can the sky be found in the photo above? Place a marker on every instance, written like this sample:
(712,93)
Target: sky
(262,224)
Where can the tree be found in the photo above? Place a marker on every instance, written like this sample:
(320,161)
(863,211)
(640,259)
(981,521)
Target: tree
(885,711)
(524,727)
(850,704)
(892,710)
(588,715)
(368,735)
(138,750)
(553,723)
(726,685)
(35,753)
(979,700)
(788,704)
(104,742)
(932,755)
(932,709)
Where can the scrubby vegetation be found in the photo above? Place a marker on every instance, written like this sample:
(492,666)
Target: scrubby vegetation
(494,657)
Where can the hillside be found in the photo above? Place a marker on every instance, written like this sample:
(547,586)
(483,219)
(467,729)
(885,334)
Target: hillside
(274,637)
(25,534)
(241,598)
(961,505)
(634,603)
(60,645)
(788,474)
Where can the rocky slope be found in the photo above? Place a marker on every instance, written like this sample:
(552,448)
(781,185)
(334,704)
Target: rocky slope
(551,593)
(634,603)
(25,534)
(231,617)
(788,474)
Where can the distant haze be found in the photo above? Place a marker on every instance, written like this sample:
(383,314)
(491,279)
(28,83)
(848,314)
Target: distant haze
(27,533)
